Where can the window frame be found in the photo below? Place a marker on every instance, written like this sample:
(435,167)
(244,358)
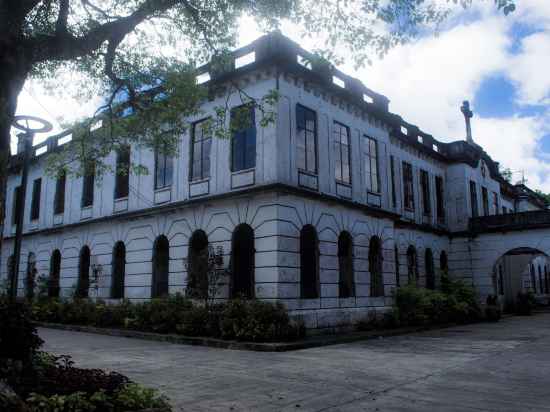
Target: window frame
(251,129)
(167,180)
(340,155)
(369,174)
(408,186)
(393,188)
(426,192)
(440,199)
(59,196)
(35,199)
(203,174)
(122,181)
(474,206)
(88,183)
(16,205)
(307,169)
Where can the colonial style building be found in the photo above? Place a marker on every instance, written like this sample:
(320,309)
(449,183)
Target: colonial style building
(328,209)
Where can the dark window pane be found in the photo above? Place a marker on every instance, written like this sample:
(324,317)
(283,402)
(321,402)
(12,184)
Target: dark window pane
(122,181)
(59,200)
(243,141)
(35,201)
(88,187)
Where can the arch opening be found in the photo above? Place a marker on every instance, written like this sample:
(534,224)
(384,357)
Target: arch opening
(346,284)
(309,263)
(242,262)
(430,272)
(197,265)
(118,270)
(55,272)
(161,267)
(83,284)
(520,270)
(375,267)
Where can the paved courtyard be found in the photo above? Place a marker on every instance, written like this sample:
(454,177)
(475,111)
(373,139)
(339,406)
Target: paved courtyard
(486,367)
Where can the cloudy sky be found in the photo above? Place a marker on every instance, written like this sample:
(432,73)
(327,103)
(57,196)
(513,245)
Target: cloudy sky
(501,64)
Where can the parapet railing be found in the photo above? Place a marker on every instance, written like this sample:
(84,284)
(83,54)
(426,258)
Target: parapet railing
(511,221)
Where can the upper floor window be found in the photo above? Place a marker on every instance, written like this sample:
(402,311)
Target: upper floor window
(59,199)
(371,166)
(408,186)
(35,201)
(16,205)
(440,198)
(473,198)
(306,136)
(243,139)
(393,183)
(163,169)
(495,203)
(88,186)
(426,199)
(200,150)
(485,198)
(122,179)
(342,153)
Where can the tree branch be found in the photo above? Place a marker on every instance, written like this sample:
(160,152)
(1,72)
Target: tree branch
(64,46)
(61,24)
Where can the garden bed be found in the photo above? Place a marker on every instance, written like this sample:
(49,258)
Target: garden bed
(305,343)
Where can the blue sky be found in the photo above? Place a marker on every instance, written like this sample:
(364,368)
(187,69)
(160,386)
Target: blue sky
(501,64)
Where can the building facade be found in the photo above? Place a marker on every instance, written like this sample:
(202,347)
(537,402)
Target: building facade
(328,209)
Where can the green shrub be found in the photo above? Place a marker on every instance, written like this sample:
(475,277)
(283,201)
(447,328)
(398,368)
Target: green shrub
(160,315)
(456,302)
(133,397)
(19,339)
(255,320)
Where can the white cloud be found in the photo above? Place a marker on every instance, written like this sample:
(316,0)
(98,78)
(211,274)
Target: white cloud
(530,68)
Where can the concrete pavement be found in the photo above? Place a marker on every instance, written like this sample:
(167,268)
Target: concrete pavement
(484,367)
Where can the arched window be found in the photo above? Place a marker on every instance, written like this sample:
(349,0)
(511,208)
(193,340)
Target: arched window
(197,265)
(443,263)
(533,280)
(375,267)
(500,280)
(309,263)
(412,265)
(118,270)
(242,262)
(55,271)
(396,257)
(83,284)
(161,264)
(31,276)
(345,265)
(430,275)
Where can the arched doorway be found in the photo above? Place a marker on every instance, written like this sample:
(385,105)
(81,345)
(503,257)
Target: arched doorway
(31,276)
(55,271)
(412,265)
(242,262)
(118,267)
(161,267)
(345,266)
(516,271)
(430,273)
(83,284)
(197,265)
(375,267)
(309,263)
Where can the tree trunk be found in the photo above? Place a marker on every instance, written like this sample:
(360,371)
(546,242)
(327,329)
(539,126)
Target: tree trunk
(12,78)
